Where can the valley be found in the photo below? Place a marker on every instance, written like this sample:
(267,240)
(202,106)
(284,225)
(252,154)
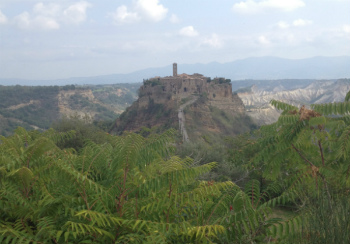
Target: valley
(38,107)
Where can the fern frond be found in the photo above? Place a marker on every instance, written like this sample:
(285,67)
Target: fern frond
(347,97)
(8,234)
(252,189)
(343,148)
(286,228)
(81,229)
(200,232)
(287,119)
(282,106)
(58,137)
(340,108)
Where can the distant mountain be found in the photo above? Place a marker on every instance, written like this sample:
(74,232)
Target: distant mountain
(261,68)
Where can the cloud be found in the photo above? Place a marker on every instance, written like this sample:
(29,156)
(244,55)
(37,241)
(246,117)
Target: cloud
(174,19)
(122,15)
(27,22)
(76,13)
(295,23)
(3,18)
(50,16)
(142,9)
(51,10)
(252,6)
(346,28)
(213,41)
(151,9)
(302,22)
(43,18)
(188,31)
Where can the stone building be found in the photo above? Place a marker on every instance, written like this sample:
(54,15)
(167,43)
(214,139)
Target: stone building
(173,89)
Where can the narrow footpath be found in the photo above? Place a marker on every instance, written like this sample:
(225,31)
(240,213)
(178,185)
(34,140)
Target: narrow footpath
(181,117)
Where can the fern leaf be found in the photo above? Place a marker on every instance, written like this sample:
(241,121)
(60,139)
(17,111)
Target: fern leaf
(282,106)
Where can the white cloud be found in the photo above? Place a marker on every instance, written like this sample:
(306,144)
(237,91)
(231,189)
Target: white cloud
(213,41)
(295,23)
(27,22)
(174,19)
(252,6)
(142,9)
(188,31)
(151,9)
(50,10)
(282,25)
(346,28)
(3,18)
(49,16)
(122,15)
(76,13)
(302,22)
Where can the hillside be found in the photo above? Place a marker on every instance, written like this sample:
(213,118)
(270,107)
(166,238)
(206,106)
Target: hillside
(38,107)
(195,104)
(256,97)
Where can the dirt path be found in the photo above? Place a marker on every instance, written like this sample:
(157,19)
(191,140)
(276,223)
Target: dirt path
(18,106)
(181,117)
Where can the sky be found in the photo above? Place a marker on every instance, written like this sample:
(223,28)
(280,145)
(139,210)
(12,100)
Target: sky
(56,39)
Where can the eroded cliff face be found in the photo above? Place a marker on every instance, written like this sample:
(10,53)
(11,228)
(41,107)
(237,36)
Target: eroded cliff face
(159,99)
(68,109)
(257,99)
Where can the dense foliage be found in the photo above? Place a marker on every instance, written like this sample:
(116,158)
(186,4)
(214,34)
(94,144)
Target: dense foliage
(83,186)
(128,189)
(307,151)
(40,107)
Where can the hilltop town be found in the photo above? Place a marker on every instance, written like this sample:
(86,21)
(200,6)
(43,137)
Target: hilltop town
(178,87)
(163,102)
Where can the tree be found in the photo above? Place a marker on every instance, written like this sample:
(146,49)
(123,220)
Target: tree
(130,189)
(307,151)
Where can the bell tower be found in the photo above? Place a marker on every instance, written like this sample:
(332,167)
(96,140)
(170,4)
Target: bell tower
(174,69)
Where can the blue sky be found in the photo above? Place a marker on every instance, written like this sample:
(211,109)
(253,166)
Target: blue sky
(53,39)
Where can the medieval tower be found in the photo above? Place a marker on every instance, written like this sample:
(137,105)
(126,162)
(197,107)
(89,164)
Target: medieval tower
(174,69)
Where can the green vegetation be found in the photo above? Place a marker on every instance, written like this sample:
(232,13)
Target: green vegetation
(152,82)
(154,113)
(307,153)
(232,124)
(37,107)
(221,80)
(299,163)
(84,130)
(287,182)
(218,80)
(128,189)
